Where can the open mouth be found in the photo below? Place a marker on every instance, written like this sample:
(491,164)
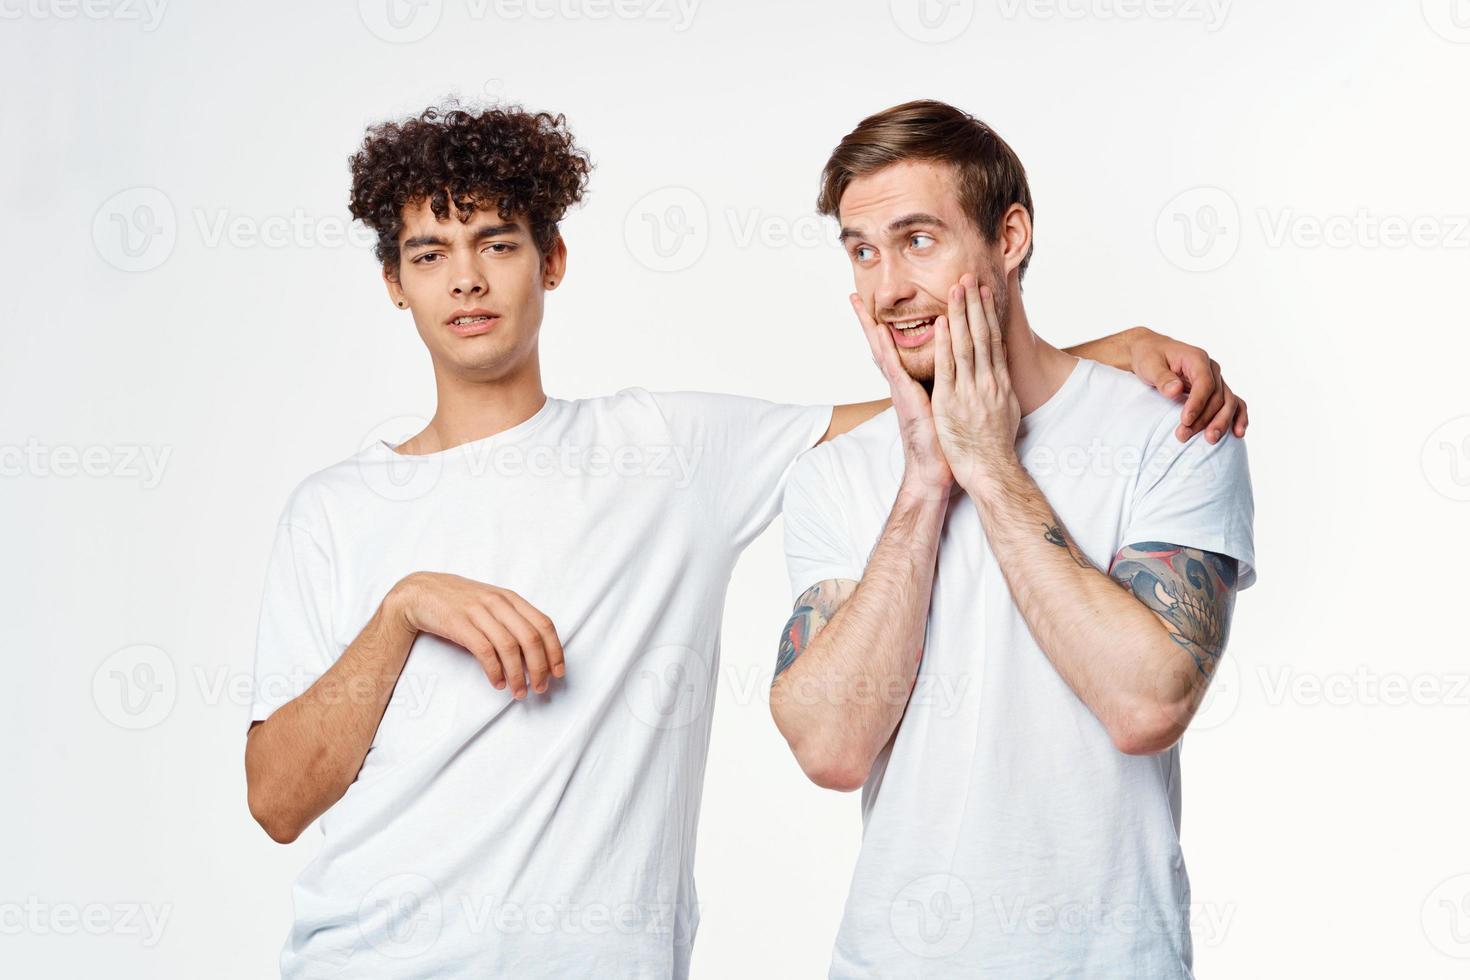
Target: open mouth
(470,324)
(913,332)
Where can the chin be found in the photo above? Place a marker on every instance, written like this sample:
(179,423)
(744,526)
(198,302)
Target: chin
(920,367)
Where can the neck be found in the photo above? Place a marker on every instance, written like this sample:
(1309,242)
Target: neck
(1037,368)
(469,409)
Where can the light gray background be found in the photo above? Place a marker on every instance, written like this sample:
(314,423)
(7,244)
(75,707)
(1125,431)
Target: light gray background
(186,334)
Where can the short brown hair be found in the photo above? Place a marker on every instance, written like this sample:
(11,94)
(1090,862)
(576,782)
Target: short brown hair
(989,173)
(505,158)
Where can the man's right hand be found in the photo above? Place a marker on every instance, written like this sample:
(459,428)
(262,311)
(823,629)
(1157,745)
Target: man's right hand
(513,640)
(925,471)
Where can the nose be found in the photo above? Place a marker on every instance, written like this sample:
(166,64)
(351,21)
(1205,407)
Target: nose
(466,280)
(895,287)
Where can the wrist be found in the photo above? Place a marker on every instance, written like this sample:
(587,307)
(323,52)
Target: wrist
(1133,339)
(987,483)
(924,494)
(397,606)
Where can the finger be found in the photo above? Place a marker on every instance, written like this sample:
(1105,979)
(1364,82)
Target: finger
(1216,402)
(944,367)
(997,335)
(1153,367)
(880,342)
(1242,420)
(1211,408)
(1195,366)
(555,657)
(507,649)
(979,327)
(533,648)
(482,645)
(1219,425)
(960,340)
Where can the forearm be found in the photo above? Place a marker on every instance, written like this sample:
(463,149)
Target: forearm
(839,702)
(1111,650)
(1112,350)
(302,759)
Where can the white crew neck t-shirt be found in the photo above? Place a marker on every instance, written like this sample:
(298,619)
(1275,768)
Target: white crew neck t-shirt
(1003,834)
(552,836)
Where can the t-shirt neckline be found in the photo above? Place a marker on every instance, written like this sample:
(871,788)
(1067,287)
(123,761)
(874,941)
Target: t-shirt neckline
(1060,397)
(465,449)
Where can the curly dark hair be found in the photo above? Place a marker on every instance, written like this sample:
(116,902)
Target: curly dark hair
(505,158)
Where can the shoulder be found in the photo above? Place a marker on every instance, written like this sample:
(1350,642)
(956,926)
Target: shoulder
(851,458)
(1129,410)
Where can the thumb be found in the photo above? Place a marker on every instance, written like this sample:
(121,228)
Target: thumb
(1154,369)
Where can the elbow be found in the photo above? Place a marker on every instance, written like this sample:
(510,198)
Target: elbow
(1148,727)
(844,778)
(278,826)
(830,764)
(834,772)
(825,752)
(264,795)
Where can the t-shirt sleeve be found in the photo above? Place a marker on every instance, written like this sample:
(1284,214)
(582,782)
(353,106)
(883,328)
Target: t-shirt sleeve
(817,541)
(740,451)
(1196,495)
(294,644)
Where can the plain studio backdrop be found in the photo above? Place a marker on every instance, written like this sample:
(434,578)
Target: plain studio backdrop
(191,325)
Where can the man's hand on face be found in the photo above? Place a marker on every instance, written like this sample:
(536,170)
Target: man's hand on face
(925,471)
(976,412)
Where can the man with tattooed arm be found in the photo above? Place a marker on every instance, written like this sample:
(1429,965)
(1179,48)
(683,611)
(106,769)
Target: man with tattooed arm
(1014,587)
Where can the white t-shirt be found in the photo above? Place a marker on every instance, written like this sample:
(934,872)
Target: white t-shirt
(553,836)
(1003,833)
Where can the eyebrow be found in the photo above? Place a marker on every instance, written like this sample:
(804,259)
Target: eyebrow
(482,232)
(897,224)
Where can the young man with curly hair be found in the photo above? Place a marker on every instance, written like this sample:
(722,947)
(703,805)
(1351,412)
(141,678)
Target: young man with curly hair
(486,656)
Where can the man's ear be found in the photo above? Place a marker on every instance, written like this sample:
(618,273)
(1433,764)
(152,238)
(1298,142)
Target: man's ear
(395,289)
(1015,237)
(554,264)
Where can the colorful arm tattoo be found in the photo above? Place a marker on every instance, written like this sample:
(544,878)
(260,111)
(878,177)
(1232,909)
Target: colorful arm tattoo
(1192,591)
(814,608)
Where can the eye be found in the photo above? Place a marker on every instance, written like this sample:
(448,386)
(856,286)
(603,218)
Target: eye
(862,253)
(427,258)
(920,241)
(501,248)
